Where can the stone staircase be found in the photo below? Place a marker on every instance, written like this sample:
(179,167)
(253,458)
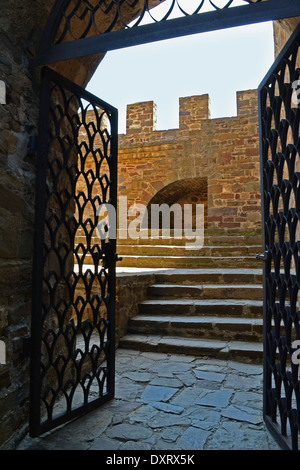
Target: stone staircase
(204,301)
(227,249)
(207,302)
(204,312)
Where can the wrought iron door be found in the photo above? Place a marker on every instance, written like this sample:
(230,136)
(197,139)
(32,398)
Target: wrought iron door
(279,100)
(73,321)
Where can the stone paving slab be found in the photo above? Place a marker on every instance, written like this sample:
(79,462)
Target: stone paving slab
(170,402)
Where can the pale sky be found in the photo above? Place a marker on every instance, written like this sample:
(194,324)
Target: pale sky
(219,63)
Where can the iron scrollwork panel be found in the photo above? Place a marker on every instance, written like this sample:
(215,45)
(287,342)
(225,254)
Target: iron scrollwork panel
(280,167)
(73,323)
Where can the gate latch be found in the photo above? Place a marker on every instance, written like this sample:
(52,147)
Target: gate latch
(263,256)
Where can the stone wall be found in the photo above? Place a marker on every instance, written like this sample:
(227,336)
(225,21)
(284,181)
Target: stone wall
(131,289)
(18,120)
(282,31)
(224,152)
(21,27)
(207,161)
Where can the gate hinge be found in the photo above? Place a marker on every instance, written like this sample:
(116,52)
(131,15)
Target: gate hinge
(26,346)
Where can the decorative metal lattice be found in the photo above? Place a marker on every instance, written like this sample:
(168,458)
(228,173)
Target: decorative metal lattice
(280,165)
(77,28)
(83,18)
(74,266)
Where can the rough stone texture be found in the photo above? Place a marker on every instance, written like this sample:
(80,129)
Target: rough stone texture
(131,289)
(193,438)
(18,120)
(229,418)
(282,31)
(157,393)
(129,431)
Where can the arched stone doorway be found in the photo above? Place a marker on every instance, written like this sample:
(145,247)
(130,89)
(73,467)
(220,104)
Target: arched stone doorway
(190,191)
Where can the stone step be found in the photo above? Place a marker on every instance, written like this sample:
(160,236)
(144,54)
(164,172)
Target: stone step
(209,276)
(195,346)
(187,262)
(192,307)
(182,262)
(209,240)
(208,312)
(207,291)
(222,328)
(212,236)
(218,240)
(173,250)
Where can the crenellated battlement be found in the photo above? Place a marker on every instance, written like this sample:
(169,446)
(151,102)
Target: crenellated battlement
(192,110)
(141,116)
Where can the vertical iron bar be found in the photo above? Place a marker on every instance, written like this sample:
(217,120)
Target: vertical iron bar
(112,270)
(260,111)
(53,24)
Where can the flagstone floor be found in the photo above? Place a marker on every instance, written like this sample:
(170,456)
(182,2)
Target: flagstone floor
(171,402)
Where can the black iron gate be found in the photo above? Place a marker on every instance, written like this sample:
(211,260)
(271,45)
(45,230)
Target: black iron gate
(73,323)
(279,99)
(72,359)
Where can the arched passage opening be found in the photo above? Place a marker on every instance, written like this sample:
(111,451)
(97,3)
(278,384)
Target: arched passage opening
(189,191)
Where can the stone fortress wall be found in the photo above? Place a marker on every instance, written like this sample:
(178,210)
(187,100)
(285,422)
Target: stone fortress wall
(214,162)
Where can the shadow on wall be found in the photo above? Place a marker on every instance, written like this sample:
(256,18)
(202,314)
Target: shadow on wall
(191,191)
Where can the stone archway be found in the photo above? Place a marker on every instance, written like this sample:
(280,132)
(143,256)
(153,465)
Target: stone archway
(190,191)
